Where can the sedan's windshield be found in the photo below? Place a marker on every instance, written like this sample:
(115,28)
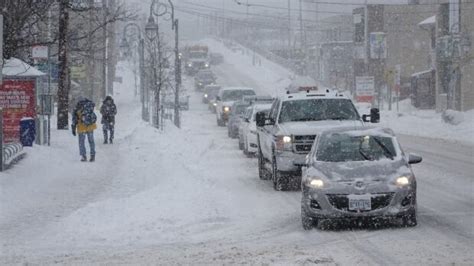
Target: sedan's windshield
(235,95)
(317,110)
(337,147)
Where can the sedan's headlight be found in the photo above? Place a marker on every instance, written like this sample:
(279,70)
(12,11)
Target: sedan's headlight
(215,104)
(206,65)
(205,95)
(190,65)
(226,109)
(316,183)
(402,181)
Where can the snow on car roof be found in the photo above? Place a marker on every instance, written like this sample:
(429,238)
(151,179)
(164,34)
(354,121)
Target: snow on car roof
(327,94)
(237,88)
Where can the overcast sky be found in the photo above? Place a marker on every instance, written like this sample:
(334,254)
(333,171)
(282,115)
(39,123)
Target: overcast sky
(228,8)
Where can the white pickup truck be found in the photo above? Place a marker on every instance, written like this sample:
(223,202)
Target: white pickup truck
(287,133)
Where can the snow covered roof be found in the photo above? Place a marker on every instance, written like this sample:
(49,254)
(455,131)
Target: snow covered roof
(14,67)
(429,22)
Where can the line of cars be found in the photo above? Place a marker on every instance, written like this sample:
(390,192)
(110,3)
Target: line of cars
(318,142)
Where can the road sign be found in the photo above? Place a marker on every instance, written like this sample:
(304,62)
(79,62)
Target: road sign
(365,88)
(39,52)
(378,45)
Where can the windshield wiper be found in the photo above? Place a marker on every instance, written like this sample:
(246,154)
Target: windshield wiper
(339,118)
(366,157)
(387,152)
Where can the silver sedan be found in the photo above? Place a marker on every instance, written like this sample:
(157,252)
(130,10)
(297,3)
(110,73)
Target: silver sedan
(358,173)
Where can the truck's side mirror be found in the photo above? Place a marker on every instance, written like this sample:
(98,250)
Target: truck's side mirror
(374,116)
(414,159)
(260,119)
(218,98)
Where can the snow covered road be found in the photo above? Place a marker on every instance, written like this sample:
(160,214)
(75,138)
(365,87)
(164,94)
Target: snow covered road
(191,197)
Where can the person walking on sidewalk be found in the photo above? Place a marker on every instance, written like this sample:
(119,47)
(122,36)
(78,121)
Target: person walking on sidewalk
(84,123)
(108,110)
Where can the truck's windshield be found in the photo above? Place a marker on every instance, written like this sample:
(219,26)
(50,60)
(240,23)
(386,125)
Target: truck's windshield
(198,55)
(317,110)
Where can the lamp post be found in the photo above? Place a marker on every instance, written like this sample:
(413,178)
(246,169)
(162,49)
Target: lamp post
(141,59)
(177,66)
(152,33)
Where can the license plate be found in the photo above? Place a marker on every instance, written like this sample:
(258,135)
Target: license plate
(360,203)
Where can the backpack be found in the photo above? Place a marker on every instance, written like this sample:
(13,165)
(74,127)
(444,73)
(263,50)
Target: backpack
(88,115)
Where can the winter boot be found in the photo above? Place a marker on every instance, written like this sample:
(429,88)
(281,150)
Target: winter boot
(105,141)
(83,158)
(92,158)
(111,141)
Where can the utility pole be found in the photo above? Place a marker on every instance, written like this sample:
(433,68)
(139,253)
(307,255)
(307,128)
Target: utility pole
(302,37)
(104,51)
(248,24)
(1,49)
(289,26)
(63,84)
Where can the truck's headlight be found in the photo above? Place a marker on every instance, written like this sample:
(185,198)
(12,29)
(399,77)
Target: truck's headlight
(215,104)
(190,65)
(206,65)
(283,143)
(226,109)
(316,183)
(205,95)
(402,181)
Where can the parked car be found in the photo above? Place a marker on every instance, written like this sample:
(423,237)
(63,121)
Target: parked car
(210,93)
(249,128)
(358,173)
(203,78)
(235,118)
(224,100)
(286,135)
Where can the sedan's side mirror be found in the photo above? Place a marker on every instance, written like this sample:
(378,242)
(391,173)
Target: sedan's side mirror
(218,98)
(374,116)
(246,120)
(414,159)
(260,119)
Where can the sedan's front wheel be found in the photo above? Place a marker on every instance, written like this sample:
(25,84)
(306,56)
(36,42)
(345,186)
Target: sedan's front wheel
(307,221)
(410,220)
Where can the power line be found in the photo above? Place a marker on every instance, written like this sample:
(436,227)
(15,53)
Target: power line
(254,14)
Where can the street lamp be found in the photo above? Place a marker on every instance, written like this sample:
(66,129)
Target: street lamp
(151,28)
(177,68)
(125,46)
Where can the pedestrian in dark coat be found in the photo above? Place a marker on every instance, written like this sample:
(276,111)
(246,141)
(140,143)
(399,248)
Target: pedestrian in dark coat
(108,110)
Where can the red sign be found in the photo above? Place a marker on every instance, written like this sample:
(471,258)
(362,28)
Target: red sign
(17,98)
